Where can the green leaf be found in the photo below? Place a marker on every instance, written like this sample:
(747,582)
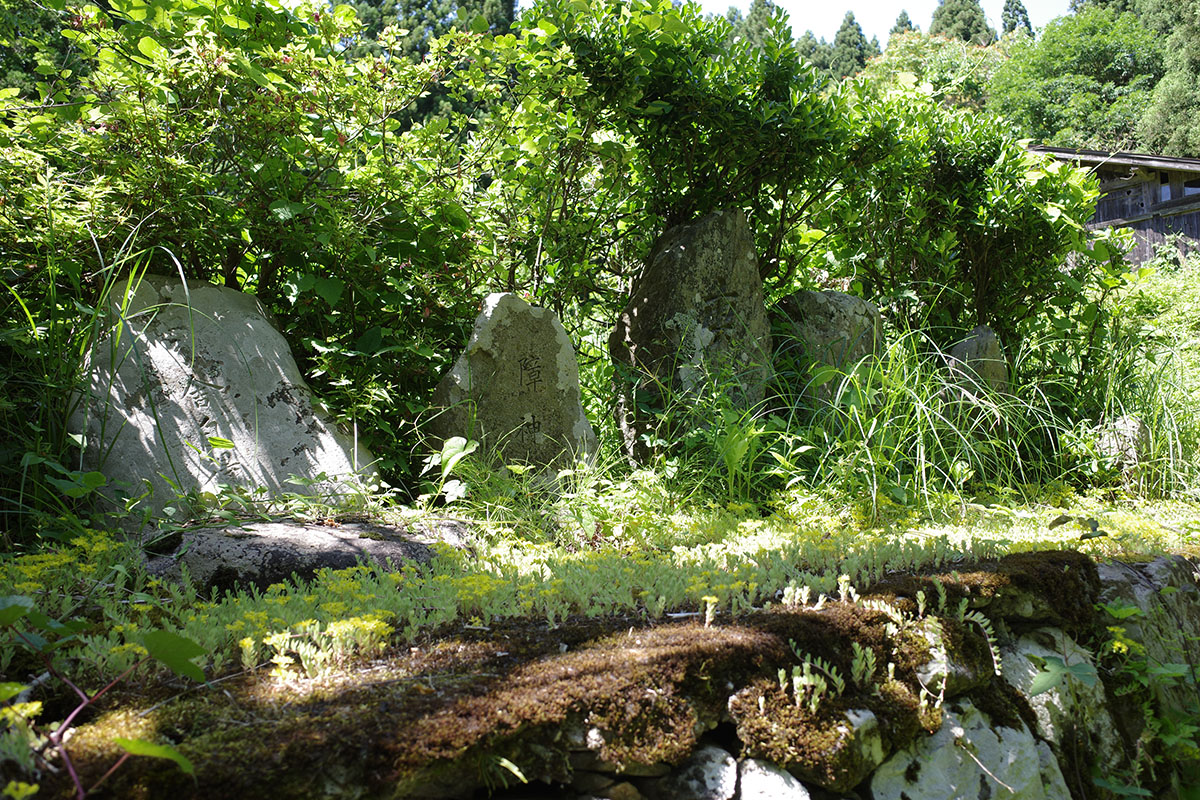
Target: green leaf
(1054,670)
(285,211)
(148,47)
(176,652)
(13,607)
(1122,789)
(480,24)
(330,290)
(79,484)
(455,449)
(9,690)
(219,443)
(140,747)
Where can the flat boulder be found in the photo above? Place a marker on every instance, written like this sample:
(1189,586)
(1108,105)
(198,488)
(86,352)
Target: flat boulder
(262,553)
(195,389)
(516,388)
(695,322)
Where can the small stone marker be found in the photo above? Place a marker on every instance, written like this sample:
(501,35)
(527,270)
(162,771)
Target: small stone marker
(695,319)
(516,388)
(978,359)
(200,390)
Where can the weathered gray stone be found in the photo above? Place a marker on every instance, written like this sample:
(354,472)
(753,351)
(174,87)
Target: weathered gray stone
(1071,709)
(1166,595)
(710,774)
(967,758)
(762,780)
(516,388)
(195,364)
(828,329)
(1124,443)
(262,553)
(946,673)
(977,361)
(695,321)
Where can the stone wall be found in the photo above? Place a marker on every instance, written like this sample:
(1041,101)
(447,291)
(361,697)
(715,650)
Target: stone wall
(1040,675)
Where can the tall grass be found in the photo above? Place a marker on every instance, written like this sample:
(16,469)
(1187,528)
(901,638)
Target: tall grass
(54,314)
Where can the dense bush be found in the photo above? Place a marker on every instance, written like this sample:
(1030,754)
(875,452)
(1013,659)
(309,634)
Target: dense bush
(952,219)
(249,147)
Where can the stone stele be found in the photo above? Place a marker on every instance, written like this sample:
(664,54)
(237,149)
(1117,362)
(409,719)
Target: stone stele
(978,360)
(827,329)
(695,320)
(196,388)
(516,388)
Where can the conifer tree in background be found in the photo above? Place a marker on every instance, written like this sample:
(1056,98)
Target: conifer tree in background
(850,49)
(753,27)
(961,19)
(1170,124)
(817,52)
(424,20)
(903,25)
(1015,17)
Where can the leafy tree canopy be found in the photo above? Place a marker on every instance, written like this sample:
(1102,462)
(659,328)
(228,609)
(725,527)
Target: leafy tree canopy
(1084,83)
(961,19)
(952,70)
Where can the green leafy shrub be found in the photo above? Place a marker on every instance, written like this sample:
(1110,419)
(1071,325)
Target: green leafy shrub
(950,220)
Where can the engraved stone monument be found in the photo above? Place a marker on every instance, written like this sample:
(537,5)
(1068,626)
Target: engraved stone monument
(695,322)
(516,388)
(199,390)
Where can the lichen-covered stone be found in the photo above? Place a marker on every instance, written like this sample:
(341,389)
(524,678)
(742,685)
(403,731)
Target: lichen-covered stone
(977,361)
(200,390)
(710,774)
(968,758)
(951,670)
(762,780)
(516,388)
(1073,715)
(695,322)
(826,329)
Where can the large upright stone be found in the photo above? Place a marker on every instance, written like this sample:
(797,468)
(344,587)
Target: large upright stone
(827,329)
(695,321)
(200,390)
(516,388)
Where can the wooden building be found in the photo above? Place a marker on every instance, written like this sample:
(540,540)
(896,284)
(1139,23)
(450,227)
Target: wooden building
(1156,196)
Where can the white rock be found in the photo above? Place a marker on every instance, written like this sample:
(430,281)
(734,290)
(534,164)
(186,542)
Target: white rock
(967,758)
(762,780)
(195,364)
(710,774)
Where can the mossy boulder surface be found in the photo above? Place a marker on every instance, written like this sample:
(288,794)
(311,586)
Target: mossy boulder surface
(447,715)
